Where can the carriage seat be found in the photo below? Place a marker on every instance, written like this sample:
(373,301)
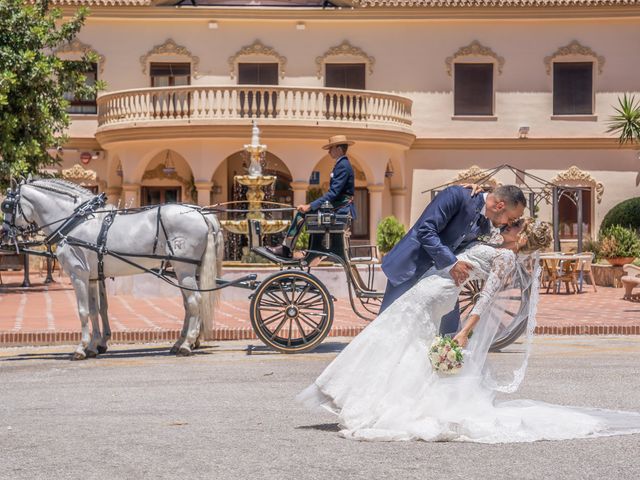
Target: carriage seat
(630,281)
(364,254)
(269,255)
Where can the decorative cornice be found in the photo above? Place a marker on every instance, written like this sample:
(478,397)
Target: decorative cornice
(112,137)
(566,143)
(83,176)
(574,48)
(344,49)
(385,4)
(79,173)
(475,174)
(476,49)
(575,177)
(169,47)
(104,3)
(486,3)
(256,48)
(76,46)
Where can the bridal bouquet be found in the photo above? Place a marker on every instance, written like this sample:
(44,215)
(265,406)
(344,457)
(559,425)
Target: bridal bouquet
(445,355)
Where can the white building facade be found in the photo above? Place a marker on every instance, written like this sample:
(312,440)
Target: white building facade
(427,90)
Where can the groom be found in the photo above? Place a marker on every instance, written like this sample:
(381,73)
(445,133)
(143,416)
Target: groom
(452,221)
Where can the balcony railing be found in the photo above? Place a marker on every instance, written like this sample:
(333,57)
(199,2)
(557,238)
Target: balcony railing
(260,102)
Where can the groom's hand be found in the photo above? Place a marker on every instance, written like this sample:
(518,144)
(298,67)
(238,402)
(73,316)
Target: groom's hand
(475,188)
(460,272)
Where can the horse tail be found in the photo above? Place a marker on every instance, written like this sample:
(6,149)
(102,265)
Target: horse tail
(210,266)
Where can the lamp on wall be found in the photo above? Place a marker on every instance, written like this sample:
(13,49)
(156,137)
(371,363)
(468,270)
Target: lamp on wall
(523,132)
(119,169)
(217,189)
(389,171)
(168,167)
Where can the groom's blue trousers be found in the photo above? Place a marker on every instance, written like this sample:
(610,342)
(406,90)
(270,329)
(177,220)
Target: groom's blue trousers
(450,323)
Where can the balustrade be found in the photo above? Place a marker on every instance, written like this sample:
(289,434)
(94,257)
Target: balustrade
(254,102)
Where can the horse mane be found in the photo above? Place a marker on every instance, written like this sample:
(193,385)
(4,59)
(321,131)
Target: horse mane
(64,187)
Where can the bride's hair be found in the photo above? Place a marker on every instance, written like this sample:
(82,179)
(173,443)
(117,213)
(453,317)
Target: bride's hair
(538,234)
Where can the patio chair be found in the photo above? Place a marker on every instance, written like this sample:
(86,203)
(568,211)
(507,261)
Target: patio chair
(630,281)
(585,260)
(562,271)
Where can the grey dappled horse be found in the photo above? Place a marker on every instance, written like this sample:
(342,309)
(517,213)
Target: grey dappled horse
(178,230)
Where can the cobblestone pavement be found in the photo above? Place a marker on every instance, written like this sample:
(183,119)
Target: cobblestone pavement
(48,314)
(139,413)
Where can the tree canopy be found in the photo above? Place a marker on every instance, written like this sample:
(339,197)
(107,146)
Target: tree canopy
(34,81)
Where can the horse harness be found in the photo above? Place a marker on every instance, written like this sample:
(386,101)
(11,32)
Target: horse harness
(11,207)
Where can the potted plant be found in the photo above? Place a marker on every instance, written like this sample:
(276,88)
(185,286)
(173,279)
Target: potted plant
(390,231)
(619,245)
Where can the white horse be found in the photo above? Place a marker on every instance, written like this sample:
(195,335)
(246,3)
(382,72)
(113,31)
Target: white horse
(180,231)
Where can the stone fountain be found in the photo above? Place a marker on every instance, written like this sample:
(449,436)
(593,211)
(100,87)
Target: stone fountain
(255,181)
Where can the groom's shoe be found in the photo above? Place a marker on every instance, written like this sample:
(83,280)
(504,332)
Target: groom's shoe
(281,251)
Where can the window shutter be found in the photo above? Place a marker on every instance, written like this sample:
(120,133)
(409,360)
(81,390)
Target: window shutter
(345,75)
(473,89)
(573,88)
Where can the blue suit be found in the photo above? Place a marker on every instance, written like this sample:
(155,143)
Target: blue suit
(341,188)
(450,222)
(340,196)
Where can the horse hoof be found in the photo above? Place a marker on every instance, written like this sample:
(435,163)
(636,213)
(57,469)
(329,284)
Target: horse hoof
(174,349)
(91,354)
(184,351)
(102,349)
(78,356)
(196,345)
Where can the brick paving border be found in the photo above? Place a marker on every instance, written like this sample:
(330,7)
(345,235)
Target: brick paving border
(9,339)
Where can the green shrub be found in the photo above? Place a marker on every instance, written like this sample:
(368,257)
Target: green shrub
(626,213)
(390,231)
(313,194)
(618,241)
(591,245)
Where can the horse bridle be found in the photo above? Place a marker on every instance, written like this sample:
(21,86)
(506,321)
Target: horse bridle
(11,209)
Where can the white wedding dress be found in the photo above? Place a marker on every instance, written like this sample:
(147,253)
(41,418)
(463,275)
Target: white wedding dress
(382,385)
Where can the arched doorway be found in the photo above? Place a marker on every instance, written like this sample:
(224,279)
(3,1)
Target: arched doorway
(167,179)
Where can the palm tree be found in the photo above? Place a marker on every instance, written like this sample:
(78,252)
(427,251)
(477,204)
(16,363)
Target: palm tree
(626,123)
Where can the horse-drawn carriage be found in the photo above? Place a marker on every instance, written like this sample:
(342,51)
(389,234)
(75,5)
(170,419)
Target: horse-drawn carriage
(291,310)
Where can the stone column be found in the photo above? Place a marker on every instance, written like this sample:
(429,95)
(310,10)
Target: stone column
(113,195)
(375,210)
(299,192)
(204,193)
(398,205)
(131,195)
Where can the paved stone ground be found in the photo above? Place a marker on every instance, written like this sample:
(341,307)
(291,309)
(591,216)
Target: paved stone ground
(48,314)
(138,412)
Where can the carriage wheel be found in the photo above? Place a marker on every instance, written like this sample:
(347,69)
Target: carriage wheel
(510,304)
(291,311)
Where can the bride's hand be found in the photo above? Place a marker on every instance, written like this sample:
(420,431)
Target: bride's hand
(475,188)
(462,338)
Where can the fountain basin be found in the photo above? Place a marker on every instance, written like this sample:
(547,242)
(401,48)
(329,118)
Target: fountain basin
(255,180)
(266,226)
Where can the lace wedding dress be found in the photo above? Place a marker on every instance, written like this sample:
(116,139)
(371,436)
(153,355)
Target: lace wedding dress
(382,385)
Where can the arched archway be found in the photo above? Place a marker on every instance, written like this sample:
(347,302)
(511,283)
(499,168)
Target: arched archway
(167,179)
(225,188)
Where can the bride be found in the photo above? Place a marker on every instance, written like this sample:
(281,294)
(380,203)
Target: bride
(383,387)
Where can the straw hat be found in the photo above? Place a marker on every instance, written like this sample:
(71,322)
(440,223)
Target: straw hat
(337,140)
